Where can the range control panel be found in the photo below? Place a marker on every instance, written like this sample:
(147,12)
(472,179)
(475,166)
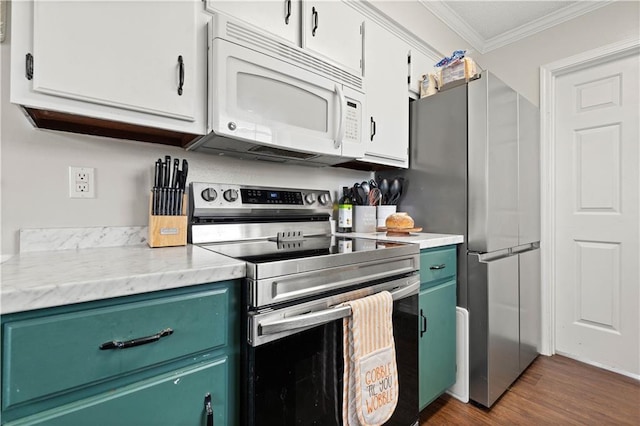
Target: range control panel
(213,199)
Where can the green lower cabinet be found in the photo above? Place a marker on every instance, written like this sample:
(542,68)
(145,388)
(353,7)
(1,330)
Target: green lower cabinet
(437,329)
(83,365)
(437,345)
(172,399)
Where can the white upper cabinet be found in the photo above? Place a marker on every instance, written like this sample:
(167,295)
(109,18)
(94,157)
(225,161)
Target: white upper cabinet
(329,29)
(385,75)
(334,30)
(132,62)
(279,17)
(419,65)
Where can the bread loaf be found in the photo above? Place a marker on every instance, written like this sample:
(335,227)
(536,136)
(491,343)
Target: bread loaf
(399,220)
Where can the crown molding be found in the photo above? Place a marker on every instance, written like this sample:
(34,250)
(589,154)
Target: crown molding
(562,15)
(453,21)
(443,12)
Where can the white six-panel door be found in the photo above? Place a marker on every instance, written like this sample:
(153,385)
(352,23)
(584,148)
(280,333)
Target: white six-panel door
(597,162)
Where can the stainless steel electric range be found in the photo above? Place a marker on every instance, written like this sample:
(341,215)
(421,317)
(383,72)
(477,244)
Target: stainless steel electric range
(297,275)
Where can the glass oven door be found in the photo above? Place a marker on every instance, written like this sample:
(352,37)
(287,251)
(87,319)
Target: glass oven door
(296,376)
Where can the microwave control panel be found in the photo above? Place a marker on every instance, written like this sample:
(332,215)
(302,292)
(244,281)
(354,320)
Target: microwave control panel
(353,121)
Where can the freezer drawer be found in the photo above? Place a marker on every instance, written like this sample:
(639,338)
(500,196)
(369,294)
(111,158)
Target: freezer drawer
(494,348)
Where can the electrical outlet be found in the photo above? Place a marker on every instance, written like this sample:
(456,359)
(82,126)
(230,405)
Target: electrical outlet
(82,182)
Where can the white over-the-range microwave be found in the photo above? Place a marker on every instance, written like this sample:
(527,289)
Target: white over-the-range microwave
(275,101)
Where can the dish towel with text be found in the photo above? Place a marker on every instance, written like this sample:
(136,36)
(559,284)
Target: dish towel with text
(370,393)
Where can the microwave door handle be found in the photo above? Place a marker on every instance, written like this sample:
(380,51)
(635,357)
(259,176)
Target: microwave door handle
(340,131)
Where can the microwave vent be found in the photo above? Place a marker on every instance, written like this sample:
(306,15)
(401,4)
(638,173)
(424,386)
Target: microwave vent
(269,150)
(292,54)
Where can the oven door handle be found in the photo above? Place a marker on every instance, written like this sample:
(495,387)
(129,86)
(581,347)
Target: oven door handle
(326,315)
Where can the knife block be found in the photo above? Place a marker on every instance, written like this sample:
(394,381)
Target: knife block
(167,231)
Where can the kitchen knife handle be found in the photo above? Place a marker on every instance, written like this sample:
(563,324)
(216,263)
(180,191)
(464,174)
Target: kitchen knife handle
(208,408)
(181,75)
(174,177)
(185,172)
(423,329)
(115,344)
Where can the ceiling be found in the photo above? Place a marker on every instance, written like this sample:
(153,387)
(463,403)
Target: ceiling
(488,25)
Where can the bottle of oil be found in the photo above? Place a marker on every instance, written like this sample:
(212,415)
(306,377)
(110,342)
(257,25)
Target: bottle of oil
(345,211)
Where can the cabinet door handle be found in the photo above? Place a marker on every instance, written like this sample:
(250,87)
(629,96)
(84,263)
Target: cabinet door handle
(373,128)
(423,328)
(288,10)
(436,267)
(115,344)
(181,76)
(208,408)
(314,15)
(29,66)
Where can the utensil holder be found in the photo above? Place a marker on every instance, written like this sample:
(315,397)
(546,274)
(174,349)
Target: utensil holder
(364,218)
(167,231)
(383,212)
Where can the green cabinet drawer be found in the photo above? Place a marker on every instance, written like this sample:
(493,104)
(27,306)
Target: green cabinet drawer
(55,354)
(437,263)
(176,398)
(437,341)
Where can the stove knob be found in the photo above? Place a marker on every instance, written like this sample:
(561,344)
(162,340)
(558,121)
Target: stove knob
(323,199)
(209,194)
(310,198)
(230,195)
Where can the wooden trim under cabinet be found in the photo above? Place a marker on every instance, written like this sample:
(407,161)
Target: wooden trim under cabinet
(65,122)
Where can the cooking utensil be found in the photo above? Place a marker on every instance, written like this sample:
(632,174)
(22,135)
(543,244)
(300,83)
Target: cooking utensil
(384,190)
(374,197)
(361,196)
(365,186)
(394,191)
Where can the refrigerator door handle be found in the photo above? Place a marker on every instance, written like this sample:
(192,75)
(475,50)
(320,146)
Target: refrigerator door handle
(526,247)
(493,256)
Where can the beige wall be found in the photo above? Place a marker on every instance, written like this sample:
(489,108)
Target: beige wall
(518,64)
(34,163)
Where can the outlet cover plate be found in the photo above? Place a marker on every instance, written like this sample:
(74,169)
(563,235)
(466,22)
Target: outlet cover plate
(82,183)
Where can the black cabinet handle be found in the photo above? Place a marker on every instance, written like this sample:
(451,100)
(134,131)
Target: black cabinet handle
(115,344)
(436,267)
(288,9)
(423,328)
(314,15)
(29,66)
(181,66)
(373,128)
(208,408)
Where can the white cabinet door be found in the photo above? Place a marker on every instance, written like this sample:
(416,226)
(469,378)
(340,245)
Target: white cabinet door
(134,56)
(385,73)
(334,30)
(279,17)
(420,65)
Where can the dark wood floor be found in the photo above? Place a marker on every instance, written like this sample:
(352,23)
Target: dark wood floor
(552,391)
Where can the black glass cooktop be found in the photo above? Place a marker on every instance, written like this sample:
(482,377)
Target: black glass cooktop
(262,251)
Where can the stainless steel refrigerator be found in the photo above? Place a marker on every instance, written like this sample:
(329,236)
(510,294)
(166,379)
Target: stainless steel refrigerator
(475,170)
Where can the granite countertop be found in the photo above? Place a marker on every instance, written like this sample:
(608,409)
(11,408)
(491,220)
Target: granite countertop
(426,240)
(43,279)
